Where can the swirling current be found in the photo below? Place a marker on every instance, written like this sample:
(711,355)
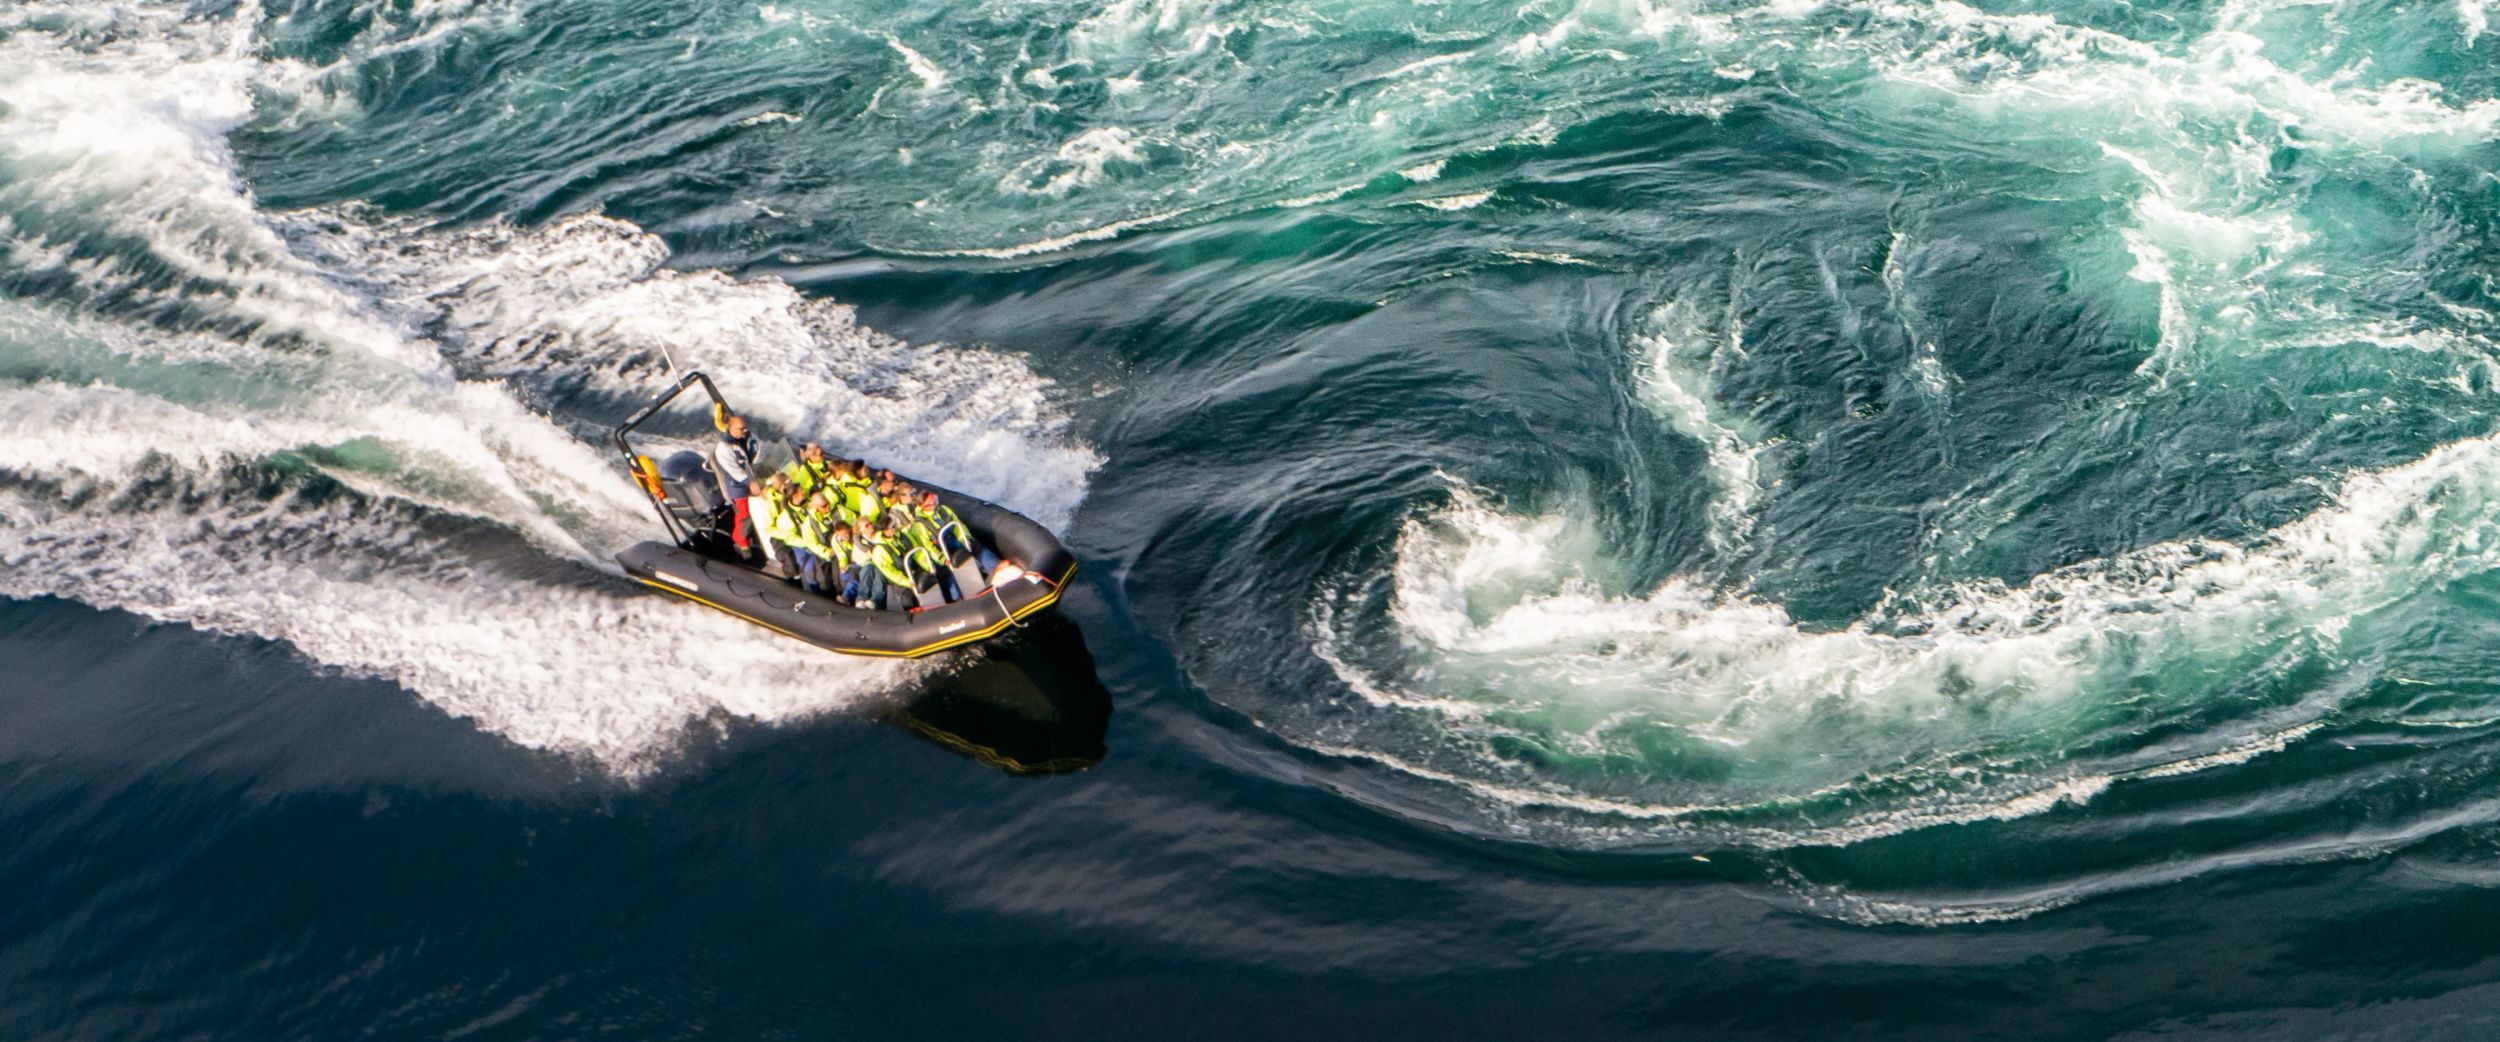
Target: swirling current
(1598,518)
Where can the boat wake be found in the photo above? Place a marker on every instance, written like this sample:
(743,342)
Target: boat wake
(350,433)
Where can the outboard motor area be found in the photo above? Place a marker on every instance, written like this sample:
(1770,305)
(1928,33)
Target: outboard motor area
(692,495)
(693,491)
(818,549)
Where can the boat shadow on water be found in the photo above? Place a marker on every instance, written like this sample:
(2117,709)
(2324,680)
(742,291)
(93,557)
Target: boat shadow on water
(1027,702)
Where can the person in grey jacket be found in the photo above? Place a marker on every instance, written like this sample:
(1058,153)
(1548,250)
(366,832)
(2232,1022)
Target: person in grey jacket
(733,457)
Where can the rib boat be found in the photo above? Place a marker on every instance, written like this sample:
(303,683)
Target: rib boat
(701,562)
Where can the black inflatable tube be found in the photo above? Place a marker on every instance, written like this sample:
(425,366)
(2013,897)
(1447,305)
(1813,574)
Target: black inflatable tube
(828,623)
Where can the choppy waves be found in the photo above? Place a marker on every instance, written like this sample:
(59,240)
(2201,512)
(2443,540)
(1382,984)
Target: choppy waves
(2186,315)
(1513,658)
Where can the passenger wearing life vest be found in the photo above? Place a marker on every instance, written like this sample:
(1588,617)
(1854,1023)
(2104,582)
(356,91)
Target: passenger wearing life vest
(794,506)
(951,534)
(816,551)
(842,571)
(810,473)
(891,554)
(885,492)
(777,521)
(952,537)
(920,535)
(921,539)
(828,521)
(867,583)
(859,495)
(901,506)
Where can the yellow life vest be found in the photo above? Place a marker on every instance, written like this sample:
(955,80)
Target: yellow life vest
(815,533)
(922,534)
(766,515)
(859,501)
(941,519)
(781,523)
(809,478)
(889,561)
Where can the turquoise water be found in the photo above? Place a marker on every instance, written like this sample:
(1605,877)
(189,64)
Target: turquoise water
(1856,494)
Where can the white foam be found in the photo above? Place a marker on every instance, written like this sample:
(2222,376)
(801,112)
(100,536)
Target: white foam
(1078,162)
(1544,257)
(1316,198)
(590,297)
(362,585)
(2237,753)
(1935,380)
(1522,805)
(1508,613)
(1533,44)
(135,132)
(1462,201)
(1421,64)
(1682,355)
(2375,840)
(931,77)
(1121,28)
(1056,243)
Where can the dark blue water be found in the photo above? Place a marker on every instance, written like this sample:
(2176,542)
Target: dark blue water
(1609,519)
(210,839)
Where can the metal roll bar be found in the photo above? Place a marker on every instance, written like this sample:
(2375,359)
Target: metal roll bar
(633,464)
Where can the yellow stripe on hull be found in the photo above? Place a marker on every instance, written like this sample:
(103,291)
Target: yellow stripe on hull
(926,649)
